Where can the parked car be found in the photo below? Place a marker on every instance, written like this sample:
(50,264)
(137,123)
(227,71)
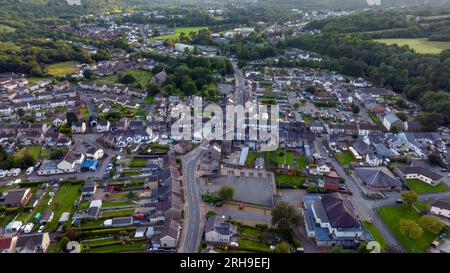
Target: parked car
(399,201)
(28,228)
(41,228)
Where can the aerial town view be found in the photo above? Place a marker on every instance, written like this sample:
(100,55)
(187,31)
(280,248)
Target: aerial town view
(233,126)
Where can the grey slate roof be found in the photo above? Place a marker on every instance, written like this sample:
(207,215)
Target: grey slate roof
(377,177)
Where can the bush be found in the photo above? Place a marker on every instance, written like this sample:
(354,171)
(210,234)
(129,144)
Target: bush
(261,226)
(210,198)
(210,214)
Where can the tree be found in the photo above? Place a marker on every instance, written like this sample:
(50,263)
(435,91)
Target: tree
(283,247)
(64,241)
(310,89)
(56,154)
(432,223)
(127,79)
(71,118)
(410,229)
(88,74)
(226,193)
(65,129)
(189,88)
(355,109)
(434,158)
(409,197)
(402,116)
(73,233)
(27,161)
(286,216)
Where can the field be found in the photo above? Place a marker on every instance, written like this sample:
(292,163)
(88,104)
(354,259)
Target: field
(142,77)
(177,33)
(34,151)
(253,246)
(420,187)
(6,29)
(391,216)
(63,201)
(375,234)
(62,69)
(4,46)
(117,213)
(138,162)
(420,45)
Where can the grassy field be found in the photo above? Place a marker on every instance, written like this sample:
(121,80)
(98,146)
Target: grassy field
(34,151)
(287,181)
(391,216)
(137,162)
(6,29)
(283,157)
(301,162)
(421,187)
(420,45)
(345,158)
(63,201)
(375,234)
(177,33)
(62,69)
(142,76)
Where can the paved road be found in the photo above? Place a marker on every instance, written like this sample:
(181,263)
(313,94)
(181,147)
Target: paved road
(89,104)
(239,84)
(193,217)
(362,205)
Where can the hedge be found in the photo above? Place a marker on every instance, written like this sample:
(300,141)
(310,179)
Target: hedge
(107,231)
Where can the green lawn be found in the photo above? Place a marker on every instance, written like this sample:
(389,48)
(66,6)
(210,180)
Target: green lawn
(121,195)
(24,216)
(391,216)
(116,204)
(345,158)
(62,69)
(375,234)
(148,99)
(117,213)
(142,76)
(118,248)
(177,33)
(420,45)
(253,246)
(63,201)
(421,187)
(283,157)
(101,242)
(85,112)
(301,162)
(138,162)
(34,151)
(287,181)
(250,232)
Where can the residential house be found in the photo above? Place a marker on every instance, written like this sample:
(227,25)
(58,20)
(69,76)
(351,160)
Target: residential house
(17,197)
(217,230)
(170,235)
(377,178)
(420,173)
(103,126)
(79,127)
(390,121)
(373,160)
(89,189)
(440,208)
(331,221)
(70,161)
(33,243)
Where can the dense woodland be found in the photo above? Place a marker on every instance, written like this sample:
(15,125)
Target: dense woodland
(397,23)
(420,77)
